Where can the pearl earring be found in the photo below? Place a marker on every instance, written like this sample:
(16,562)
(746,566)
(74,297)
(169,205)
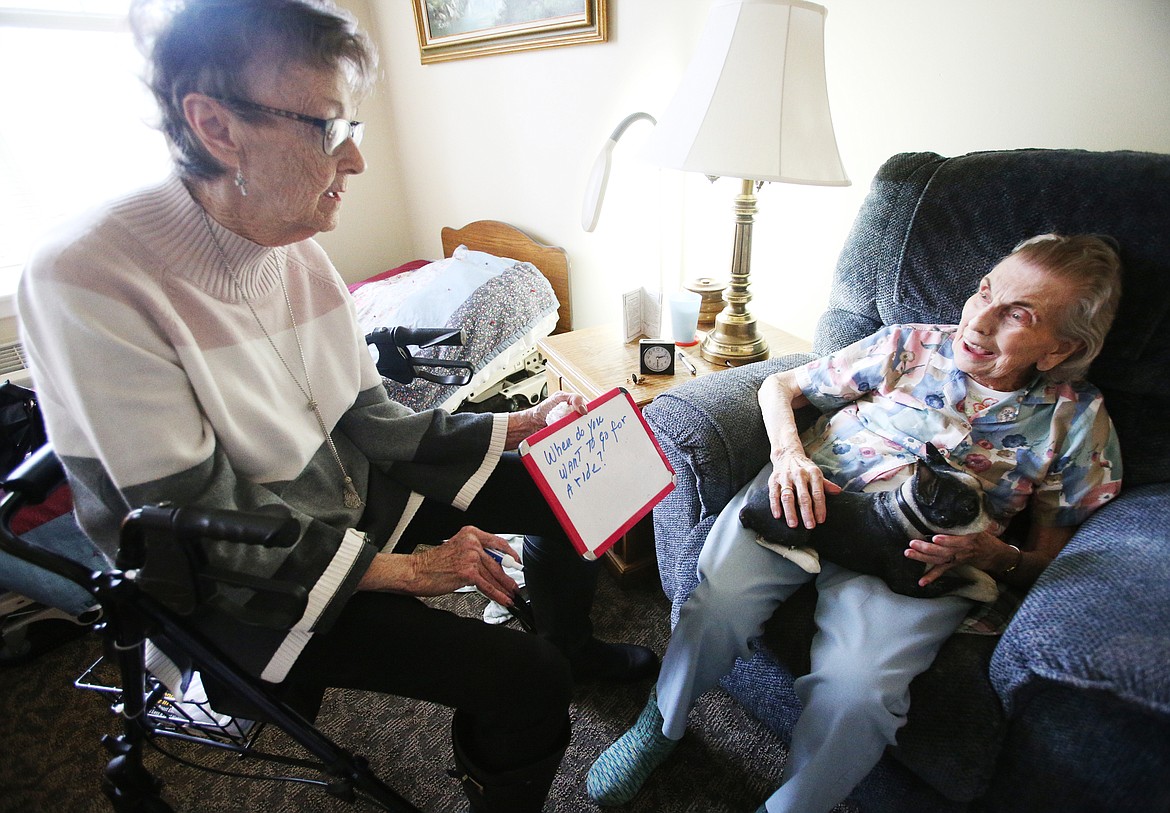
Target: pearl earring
(241,183)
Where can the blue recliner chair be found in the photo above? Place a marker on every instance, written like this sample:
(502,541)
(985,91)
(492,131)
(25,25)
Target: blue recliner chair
(1068,710)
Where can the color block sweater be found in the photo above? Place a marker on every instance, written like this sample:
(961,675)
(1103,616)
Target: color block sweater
(158,384)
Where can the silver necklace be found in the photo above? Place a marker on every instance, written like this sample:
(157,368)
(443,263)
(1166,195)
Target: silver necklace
(352,498)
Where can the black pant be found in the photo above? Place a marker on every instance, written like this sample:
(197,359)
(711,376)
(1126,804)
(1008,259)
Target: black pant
(560,583)
(514,686)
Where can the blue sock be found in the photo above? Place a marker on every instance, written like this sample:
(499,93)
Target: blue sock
(620,771)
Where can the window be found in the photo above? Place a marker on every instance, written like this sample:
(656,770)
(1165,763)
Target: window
(76,123)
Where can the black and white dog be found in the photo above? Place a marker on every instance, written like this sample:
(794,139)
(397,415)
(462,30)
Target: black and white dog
(867,532)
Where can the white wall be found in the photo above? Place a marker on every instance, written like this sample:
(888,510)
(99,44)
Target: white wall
(373,235)
(512,137)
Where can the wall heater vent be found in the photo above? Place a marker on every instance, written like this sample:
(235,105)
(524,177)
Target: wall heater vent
(13,366)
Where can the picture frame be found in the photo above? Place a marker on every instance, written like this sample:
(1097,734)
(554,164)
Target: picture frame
(460,29)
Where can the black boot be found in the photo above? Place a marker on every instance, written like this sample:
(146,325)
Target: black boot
(560,585)
(518,790)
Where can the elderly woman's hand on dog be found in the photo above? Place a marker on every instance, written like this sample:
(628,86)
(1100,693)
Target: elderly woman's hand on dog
(797,489)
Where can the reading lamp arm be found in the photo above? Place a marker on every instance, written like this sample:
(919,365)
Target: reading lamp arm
(599,175)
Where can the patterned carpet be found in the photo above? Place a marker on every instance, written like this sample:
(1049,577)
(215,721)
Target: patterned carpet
(52,760)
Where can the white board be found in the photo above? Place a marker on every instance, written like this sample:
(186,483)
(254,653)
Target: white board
(601,472)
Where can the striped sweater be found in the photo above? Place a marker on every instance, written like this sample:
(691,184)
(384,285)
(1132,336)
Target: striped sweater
(157,384)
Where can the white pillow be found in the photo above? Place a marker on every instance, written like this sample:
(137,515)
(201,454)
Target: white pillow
(429,295)
(497,264)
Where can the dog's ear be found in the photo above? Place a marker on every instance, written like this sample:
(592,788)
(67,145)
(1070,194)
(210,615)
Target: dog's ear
(926,485)
(934,456)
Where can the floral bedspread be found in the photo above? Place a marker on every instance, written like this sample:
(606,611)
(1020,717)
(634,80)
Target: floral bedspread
(505,308)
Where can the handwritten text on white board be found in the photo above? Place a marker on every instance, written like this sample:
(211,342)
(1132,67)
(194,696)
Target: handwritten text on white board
(600,472)
(581,455)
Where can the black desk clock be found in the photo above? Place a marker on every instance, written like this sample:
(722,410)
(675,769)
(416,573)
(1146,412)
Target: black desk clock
(656,356)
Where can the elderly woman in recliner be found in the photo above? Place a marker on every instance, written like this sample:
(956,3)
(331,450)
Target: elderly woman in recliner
(1002,394)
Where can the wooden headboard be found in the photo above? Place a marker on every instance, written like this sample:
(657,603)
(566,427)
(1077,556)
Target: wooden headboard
(503,240)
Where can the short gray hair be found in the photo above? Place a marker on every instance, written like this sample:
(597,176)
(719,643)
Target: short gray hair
(208,46)
(1091,264)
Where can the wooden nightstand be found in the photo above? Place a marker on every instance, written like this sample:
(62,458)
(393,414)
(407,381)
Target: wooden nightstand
(593,361)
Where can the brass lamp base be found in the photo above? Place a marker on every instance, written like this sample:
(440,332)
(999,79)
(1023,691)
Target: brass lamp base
(736,338)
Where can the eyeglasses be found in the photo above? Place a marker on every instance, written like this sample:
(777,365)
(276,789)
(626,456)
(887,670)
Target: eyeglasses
(336,131)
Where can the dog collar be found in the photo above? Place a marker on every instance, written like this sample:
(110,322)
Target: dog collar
(909,513)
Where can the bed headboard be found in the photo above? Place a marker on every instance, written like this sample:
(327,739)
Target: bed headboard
(503,240)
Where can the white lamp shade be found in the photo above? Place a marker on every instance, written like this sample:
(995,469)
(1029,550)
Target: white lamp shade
(753,102)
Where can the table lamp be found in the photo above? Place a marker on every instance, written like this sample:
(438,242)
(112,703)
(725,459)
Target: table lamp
(753,104)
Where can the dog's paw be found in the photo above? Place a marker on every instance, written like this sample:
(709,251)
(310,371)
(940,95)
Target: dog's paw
(756,515)
(806,559)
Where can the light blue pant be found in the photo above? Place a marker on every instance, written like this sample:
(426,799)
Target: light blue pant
(870,643)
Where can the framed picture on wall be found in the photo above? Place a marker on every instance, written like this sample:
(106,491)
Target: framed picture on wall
(458,29)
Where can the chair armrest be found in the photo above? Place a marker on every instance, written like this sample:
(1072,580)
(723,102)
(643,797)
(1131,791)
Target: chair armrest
(1098,618)
(715,423)
(711,431)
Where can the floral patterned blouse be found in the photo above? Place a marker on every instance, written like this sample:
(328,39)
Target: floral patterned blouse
(884,397)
